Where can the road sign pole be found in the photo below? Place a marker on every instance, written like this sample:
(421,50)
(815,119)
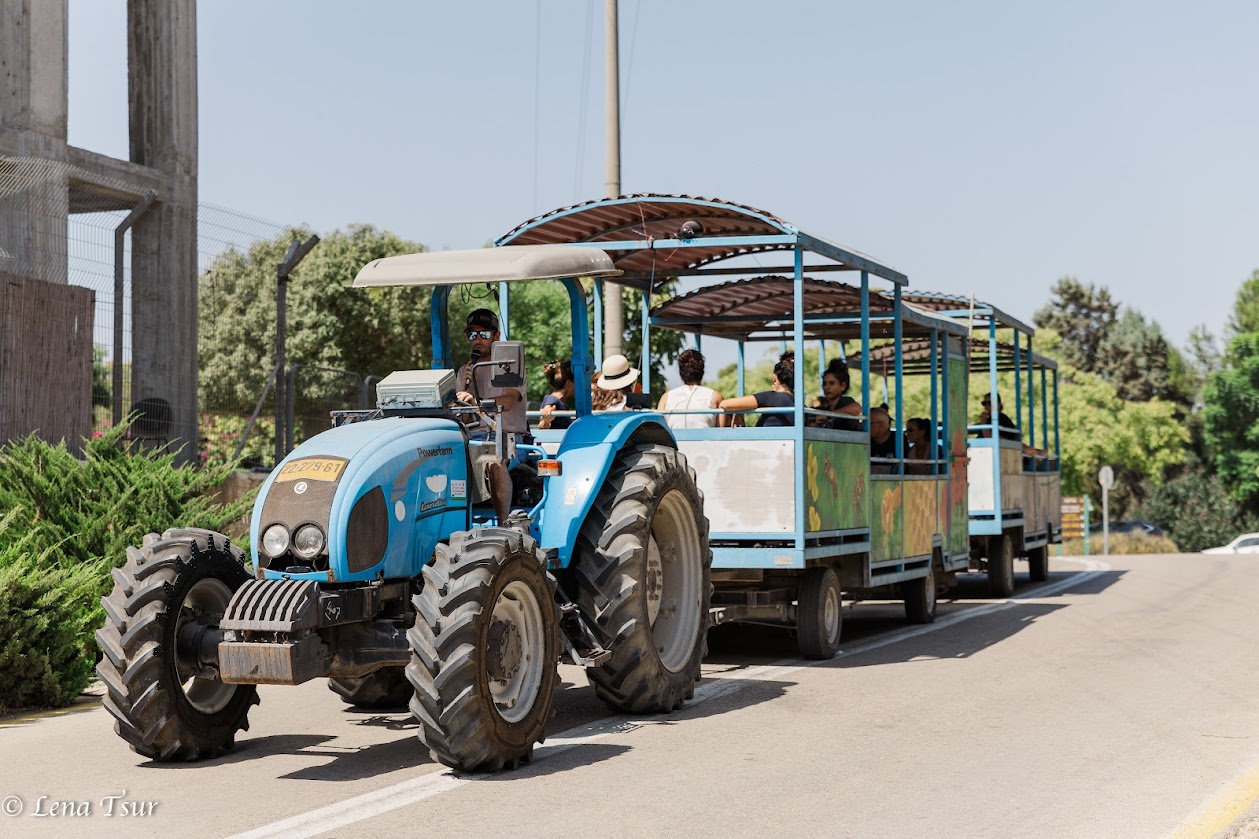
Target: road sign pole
(1106,477)
(1088,508)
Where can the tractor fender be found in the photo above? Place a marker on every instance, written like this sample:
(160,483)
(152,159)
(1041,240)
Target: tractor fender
(589,446)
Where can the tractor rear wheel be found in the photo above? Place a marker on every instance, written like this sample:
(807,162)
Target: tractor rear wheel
(642,577)
(484,649)
(168,706)
(385,688)
(1001,565)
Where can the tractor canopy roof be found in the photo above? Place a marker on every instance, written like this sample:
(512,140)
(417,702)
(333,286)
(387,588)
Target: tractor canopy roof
(485,265)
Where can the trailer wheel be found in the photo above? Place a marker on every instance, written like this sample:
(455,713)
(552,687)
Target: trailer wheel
(1038,563)
(385,688)
(166,705)
(819,615)
(1001,566)
(920,597)
(483,650)
(642,578)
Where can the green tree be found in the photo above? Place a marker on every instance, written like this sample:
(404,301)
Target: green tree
(1196,511)
(666,344)
(1082,315)
(370,332)
(1140,440)
(1245,316)
(1231,419)
(1141,363)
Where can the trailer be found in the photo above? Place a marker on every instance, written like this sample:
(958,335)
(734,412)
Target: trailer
(1015,495)
(800,516)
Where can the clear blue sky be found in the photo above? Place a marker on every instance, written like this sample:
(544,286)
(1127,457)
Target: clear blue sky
(982,147)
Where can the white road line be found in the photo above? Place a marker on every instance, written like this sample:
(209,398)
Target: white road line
(377,802)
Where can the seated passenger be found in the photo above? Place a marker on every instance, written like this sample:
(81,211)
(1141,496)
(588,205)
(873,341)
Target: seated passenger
(617,382)
(882,443)
(918,446)
(835,398)
(691,396)
(1009,431)
(559,375)
(918,441)
(778,396)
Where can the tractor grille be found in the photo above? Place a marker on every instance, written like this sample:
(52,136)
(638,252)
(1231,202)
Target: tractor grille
(273,606)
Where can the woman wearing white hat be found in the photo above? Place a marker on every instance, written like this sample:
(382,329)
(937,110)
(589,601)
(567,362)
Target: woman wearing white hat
(618,379)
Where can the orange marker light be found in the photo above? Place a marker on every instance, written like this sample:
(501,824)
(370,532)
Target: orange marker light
(550,468)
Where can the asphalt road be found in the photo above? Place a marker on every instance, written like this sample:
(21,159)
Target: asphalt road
(1118,699)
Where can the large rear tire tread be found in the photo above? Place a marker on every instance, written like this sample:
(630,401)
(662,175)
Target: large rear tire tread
(448,671)
(384,689)
(144,692)
(1001,566)
(608,573)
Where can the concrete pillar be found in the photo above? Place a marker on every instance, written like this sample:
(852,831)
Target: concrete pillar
(162,82)
(34,187)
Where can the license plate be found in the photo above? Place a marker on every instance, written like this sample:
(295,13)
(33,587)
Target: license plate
(311,469)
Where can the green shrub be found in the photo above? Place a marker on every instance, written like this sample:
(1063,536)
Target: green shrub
(68,522)
(47,616)
(95,508)
(1197,511)
(1127,543)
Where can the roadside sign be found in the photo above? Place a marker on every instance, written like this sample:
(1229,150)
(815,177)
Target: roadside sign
(1072,517)
(1106,477)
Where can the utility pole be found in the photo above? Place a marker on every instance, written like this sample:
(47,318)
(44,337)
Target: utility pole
(613,314)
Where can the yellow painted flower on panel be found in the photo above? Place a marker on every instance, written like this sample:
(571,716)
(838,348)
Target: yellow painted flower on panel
(811,471)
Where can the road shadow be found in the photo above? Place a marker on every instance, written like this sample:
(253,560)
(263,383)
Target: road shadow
(981,632)
(549,761)
(974,585)
(868,624)
(356,763)
(251,748)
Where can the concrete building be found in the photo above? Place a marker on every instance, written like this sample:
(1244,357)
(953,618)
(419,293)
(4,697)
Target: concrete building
(43,180)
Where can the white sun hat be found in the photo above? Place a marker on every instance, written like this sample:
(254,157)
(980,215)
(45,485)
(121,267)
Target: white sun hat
(617,373)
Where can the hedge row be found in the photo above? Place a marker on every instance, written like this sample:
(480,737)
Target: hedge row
(64,523)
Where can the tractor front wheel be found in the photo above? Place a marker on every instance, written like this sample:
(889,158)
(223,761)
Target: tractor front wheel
(484,649)
(167,705)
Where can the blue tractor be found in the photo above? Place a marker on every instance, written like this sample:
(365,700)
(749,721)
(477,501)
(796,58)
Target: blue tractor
(387,558)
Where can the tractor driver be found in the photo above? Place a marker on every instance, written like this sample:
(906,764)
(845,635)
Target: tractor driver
(481,332)
(492,480)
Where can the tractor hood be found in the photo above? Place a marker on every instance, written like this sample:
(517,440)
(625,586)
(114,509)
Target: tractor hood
(379,491)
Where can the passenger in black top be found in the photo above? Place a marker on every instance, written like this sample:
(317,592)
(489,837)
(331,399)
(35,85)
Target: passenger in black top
(1009,431)
(778,396)
(559,375)
(835,398)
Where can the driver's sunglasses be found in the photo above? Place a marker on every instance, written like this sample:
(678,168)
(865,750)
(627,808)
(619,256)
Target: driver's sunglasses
(482,334)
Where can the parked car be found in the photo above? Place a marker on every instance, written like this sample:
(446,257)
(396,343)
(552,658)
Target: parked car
(1126,528)
(1247,543)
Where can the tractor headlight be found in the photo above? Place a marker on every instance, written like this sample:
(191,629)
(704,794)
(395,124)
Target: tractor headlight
(308,541)
(275,540)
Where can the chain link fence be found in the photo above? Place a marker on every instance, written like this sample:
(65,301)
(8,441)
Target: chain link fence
(69,229)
